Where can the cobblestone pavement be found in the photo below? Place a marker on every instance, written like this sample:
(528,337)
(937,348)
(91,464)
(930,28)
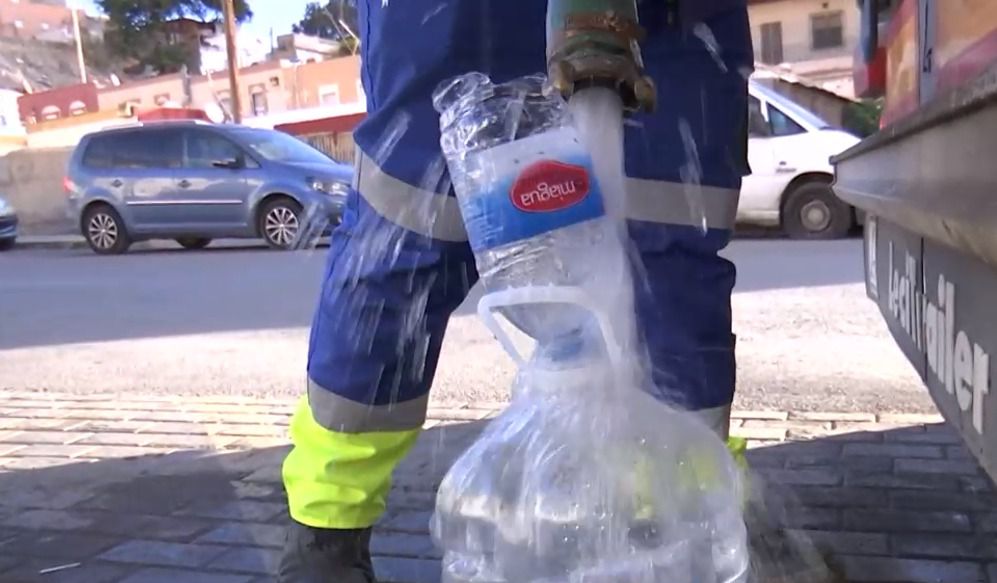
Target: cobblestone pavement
(106,489)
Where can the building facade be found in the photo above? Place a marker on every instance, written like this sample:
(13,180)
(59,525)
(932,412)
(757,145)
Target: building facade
(267,88)
(814,39)
(305,48)
(58,103)
(328,83)
(10,115)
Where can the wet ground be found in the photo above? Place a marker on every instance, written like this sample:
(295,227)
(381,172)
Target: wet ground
(152,489)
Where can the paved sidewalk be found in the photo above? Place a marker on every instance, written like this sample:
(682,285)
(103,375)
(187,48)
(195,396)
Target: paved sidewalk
(112,489)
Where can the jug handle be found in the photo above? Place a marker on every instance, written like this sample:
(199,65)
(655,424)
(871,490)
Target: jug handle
(521,296)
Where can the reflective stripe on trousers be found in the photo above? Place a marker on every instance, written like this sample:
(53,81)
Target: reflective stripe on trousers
(437,216)
(340,415)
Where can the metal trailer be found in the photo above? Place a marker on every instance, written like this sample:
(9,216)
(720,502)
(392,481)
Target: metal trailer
(928,185)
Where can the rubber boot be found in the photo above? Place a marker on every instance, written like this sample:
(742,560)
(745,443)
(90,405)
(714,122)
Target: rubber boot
(318,555)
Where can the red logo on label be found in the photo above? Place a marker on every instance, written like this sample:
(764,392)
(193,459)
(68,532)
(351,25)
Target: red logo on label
(550,185)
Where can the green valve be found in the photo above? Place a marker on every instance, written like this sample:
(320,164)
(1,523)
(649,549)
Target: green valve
(594,43)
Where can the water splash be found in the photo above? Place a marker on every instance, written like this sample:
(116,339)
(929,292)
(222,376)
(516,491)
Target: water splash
(705,34)
(692,178)
(439,8)
(313,223)
(397,126)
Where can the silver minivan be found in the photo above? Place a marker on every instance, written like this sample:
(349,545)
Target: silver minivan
(194,182)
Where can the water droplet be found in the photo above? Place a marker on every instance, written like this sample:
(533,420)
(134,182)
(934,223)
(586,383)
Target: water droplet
(439,8)
(393,133)
(703,33)
(692,173)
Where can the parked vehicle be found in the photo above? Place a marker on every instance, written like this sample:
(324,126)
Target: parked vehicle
(8,225)
(789,149)
(195,181)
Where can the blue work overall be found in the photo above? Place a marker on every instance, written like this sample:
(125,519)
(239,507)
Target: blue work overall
(400,263)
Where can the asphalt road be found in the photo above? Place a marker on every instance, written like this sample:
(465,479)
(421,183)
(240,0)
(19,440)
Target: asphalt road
(236,321)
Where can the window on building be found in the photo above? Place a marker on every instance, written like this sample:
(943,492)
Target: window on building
(77,108)
(329,95)
(827,30)
(258,99)
(45,26)
(50,112)
(18,24)
(126,107)
(771,41)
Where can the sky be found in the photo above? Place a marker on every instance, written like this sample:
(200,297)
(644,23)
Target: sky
(278,14)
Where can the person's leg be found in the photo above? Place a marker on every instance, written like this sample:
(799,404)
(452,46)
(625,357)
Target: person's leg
(684,168)
(398,266)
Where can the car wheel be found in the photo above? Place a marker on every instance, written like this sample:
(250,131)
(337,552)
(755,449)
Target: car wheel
(813,211)
(105,231)
(280,223)
(7,244)
(194,242)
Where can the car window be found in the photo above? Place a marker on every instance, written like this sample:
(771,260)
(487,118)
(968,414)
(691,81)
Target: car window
(782,124)
(136,149)
(280,147)
(758,127)
(206,148)
(99,152)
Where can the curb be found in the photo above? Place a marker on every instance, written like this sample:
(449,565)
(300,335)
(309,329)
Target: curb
(50,243)
(70,242)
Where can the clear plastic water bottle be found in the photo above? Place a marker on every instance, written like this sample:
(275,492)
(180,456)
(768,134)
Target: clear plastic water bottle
(574,483)
(530,200)
(584,478)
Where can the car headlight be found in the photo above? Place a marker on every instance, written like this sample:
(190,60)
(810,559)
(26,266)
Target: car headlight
(331,187)
(6,209)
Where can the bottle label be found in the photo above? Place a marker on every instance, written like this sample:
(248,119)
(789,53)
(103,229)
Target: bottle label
(530,190)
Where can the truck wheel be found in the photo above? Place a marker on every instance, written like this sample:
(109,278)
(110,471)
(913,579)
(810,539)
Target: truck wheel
(104,230)
(194,242)
(812,211)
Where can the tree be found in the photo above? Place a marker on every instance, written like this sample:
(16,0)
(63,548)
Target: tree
(862,117)
(139,29)
(327,21)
